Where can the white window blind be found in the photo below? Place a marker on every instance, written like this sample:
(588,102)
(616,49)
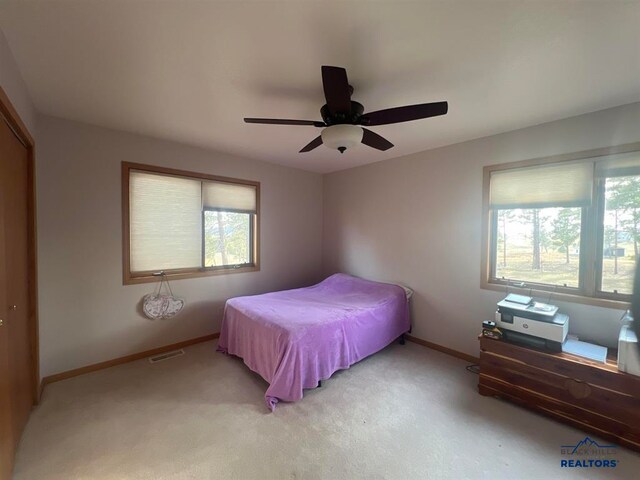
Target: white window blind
(165,222)
(619,165)
(566,184)
(229,196)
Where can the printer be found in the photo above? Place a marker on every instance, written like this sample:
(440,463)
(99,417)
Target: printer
(531,323)
(628,351)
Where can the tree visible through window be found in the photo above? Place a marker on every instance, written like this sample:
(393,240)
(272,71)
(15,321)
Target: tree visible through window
(621,233)
(540,245)
(227,237)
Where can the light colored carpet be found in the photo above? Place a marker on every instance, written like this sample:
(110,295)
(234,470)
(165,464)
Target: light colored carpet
(405,413)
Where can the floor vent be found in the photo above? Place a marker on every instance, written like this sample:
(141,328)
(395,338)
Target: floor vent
(166,356)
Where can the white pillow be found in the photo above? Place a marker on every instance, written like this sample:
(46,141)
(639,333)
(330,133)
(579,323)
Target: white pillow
(408,292)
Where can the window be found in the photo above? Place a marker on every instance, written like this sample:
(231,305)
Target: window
(569,226)
(187,224)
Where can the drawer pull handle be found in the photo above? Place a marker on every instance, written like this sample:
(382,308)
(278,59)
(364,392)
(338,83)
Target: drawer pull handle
(577,388)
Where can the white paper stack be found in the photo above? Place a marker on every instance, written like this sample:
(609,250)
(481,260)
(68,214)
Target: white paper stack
(586,350)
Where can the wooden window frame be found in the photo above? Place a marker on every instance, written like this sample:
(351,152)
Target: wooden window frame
(132,278)
(590,238)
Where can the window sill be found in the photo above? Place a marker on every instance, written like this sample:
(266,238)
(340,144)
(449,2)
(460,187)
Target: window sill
(560,296)
(133,279)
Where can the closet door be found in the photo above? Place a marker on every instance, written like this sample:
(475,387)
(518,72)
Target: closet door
(6,423)
(15,348)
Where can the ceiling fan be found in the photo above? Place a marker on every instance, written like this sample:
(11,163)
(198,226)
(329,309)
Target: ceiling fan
(343,117)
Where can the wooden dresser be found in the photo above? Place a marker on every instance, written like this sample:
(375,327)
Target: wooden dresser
(592,396)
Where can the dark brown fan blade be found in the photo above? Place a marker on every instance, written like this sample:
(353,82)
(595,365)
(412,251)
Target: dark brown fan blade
(336,89)
(404,114)
(277,121)
(316,142)
(376,141)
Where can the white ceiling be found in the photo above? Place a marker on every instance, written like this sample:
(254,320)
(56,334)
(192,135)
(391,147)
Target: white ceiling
(191,70)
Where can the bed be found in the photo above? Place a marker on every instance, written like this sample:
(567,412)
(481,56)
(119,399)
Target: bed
(295,339)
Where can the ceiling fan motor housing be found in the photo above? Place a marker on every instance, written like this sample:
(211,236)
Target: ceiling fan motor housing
(352,117)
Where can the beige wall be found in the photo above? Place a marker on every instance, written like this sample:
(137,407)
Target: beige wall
(401,220)
(86,314)
(14,86)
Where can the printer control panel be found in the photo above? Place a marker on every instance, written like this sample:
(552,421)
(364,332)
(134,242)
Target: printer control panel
(506,317)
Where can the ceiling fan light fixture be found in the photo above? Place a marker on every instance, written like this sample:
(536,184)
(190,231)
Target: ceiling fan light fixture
(341,137)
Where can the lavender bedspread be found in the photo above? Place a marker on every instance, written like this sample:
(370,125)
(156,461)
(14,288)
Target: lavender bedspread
(295,338)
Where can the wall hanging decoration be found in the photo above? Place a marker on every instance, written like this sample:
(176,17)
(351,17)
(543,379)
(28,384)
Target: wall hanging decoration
(157,305)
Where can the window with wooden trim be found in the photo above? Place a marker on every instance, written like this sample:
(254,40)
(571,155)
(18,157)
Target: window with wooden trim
(187,224)
(568,225)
